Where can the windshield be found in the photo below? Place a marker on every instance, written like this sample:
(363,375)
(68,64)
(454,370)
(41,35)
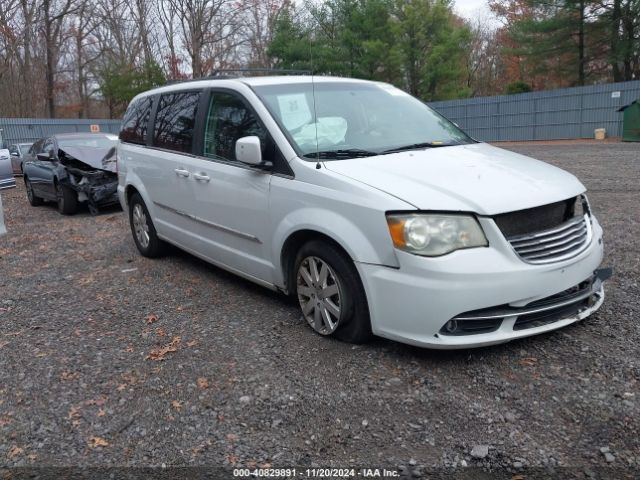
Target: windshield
(356,119)
(95,142)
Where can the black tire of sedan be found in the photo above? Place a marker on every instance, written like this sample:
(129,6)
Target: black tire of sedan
(330,293)
(67,199)
(34,200)
(142,228)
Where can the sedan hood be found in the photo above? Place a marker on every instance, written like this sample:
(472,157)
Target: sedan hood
(97,158)
(476,178)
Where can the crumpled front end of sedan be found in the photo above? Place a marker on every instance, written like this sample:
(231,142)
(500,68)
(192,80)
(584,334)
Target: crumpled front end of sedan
(96,186)
(539,271)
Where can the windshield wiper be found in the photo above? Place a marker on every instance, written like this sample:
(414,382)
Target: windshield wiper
(417,146)
(341,154)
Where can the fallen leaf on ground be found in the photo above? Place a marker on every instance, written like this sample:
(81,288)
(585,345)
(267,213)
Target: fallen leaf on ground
(74,412)
(160,332)
(176,404)
(101,412)
(70,375)
(158,354)
(15,451)
(151,319)
(203,383)
(529,361)
(95,442)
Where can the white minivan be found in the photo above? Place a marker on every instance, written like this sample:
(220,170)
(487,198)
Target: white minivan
(378,214)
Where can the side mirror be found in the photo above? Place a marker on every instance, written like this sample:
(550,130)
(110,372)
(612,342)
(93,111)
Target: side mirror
(248,151)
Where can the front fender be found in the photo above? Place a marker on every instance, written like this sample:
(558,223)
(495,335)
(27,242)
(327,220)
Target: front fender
(346,233)
(133,180)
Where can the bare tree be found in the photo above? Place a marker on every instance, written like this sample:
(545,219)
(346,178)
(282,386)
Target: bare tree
(484,63)
(261,17)
(208,27)
(54,14)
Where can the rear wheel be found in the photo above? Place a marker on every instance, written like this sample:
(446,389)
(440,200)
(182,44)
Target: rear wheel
(330,293)
(67,199)
(144,233)
(34,200)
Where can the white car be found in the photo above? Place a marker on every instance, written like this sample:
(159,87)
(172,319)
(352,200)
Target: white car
(378,214)
(6,181)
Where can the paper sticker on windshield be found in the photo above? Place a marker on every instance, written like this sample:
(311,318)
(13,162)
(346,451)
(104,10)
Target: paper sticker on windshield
(294,110)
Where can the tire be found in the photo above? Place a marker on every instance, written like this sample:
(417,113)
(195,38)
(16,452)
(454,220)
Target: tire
(142,228)
(34,200)
(339,286)
(67,199)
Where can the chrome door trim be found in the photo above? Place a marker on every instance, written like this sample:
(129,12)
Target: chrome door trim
(217,226)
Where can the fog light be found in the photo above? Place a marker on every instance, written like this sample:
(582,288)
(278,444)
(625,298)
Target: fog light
(451,326)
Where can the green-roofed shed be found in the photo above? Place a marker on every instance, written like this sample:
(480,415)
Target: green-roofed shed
(631,122)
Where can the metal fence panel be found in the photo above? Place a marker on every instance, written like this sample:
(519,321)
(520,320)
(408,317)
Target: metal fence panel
(549,115)
(23,130)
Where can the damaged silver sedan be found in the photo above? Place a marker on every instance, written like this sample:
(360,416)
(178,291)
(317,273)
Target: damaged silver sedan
(71,169)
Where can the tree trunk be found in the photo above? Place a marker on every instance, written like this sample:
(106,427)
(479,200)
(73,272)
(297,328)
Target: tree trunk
(581,56)
(615,41)
(49,71)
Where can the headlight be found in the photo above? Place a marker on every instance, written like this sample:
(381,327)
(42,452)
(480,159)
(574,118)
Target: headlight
(433,234)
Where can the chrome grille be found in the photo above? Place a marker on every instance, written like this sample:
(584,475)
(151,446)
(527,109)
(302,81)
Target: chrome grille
(555,244)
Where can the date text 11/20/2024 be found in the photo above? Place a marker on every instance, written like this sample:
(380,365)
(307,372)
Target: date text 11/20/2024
(315,473)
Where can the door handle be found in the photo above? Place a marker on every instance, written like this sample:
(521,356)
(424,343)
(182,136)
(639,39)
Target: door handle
(181,172)
(202,177)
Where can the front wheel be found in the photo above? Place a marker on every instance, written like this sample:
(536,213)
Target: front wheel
(34,200)
(67,199)
(330,293)
(143,230)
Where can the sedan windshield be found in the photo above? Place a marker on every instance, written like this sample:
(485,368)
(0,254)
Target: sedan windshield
(354,119)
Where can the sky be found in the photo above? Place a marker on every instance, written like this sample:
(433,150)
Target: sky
(472,8)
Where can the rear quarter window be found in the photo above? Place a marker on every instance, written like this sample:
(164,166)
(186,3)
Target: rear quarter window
(175,121)
(136,120)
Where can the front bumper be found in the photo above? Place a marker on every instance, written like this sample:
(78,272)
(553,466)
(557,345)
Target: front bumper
(413,303)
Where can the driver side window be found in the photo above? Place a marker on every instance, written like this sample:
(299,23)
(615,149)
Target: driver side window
(228,120)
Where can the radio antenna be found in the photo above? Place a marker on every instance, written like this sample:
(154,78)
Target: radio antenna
(315,121)
(315,112)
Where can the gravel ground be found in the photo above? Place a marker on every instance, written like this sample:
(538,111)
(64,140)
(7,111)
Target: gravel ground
(111,359)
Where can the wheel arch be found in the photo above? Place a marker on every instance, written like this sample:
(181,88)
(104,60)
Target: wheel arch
(292,245)
(129,191)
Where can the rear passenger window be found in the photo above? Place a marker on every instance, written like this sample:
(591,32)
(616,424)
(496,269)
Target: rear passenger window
(175,121)
(228,120)
(136,119)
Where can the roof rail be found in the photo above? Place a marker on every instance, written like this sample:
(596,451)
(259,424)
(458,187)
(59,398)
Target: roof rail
(222,72)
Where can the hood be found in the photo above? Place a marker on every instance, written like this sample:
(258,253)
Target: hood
(98,158)
(476,178)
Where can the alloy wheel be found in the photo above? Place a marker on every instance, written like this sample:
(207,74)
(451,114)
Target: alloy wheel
(319,294)
(140,226)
